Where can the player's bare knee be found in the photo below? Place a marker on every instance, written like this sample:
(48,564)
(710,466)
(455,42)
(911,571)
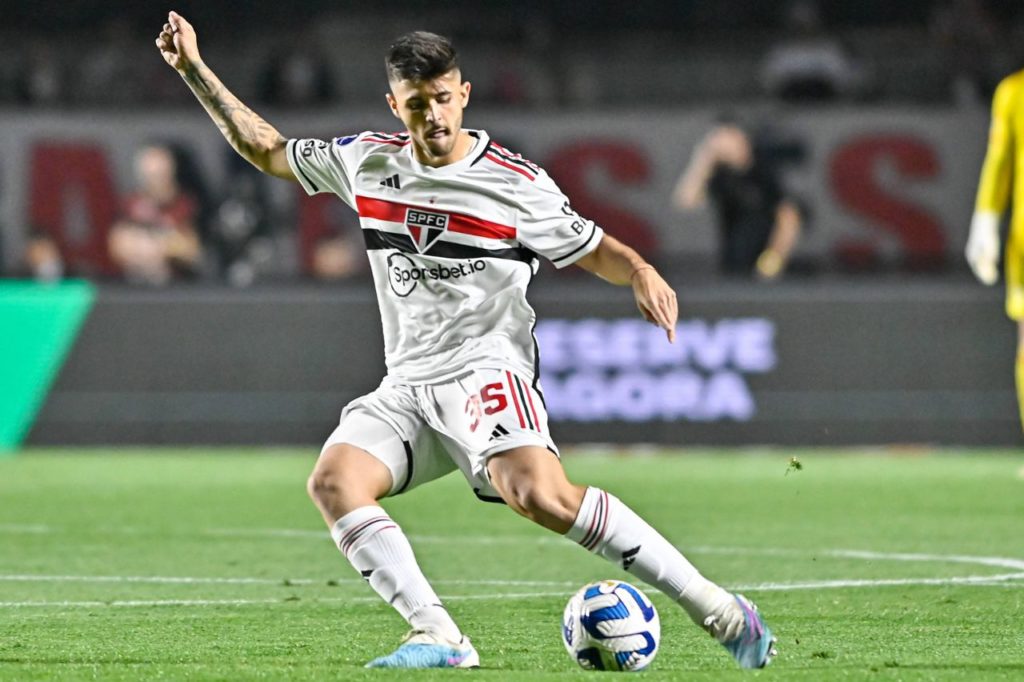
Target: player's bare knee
(322,484)
(346,477)
(549,505)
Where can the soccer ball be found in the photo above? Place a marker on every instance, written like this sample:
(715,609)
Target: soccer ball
(611,625)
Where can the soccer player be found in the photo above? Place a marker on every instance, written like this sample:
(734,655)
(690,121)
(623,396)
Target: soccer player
(1001,175)
(453,224)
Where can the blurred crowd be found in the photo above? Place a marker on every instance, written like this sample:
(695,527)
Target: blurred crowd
(169,228)
(935,51)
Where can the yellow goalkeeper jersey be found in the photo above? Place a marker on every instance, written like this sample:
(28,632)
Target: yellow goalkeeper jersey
(1003,174)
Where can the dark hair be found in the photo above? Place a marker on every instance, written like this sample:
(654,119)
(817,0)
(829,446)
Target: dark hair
(420,56)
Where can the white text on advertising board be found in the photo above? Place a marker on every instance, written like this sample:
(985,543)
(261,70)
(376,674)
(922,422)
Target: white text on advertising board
(625,369)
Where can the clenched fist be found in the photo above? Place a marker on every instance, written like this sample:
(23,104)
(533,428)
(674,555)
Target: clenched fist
(177,42)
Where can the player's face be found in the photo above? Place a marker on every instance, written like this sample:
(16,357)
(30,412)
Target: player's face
(432,113)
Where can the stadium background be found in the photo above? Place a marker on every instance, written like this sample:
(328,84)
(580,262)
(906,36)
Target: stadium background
(878,335)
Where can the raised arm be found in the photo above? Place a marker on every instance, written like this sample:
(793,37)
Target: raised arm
(691,189)
(254,139)
(722,144)
(617,263)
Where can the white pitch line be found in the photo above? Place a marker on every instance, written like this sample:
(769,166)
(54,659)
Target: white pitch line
(159,579)
(1002,562)
(999,579)
(986,580)
(282,582)
(419,539)
(252,602)
(27,528)
(981,581)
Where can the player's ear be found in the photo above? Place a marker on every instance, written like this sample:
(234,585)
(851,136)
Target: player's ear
(466,87)
(392,104)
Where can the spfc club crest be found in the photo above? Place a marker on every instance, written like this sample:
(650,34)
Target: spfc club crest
(425,227)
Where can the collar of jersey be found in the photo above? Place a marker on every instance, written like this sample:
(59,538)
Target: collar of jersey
(483,139)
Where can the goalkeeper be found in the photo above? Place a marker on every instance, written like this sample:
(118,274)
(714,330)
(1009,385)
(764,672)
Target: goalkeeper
(1003,175)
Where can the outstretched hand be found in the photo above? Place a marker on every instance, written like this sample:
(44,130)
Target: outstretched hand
(177,42)
(656,300)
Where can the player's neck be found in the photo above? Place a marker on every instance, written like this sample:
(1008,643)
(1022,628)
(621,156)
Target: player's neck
(463,145)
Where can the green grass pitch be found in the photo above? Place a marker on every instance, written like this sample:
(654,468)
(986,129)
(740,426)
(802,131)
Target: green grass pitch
(212,564)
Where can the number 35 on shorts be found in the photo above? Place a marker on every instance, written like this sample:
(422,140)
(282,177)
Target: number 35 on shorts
(512,399)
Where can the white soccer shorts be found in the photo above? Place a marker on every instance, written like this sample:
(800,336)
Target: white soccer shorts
(422,432)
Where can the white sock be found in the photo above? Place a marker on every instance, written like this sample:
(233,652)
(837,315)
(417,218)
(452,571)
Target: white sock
(606,526)
(379,550)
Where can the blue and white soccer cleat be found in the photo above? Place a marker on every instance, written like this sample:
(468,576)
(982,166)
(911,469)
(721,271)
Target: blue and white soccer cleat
(422,649)
(754,646)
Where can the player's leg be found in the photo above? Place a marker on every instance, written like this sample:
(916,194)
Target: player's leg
(532,481)
(364,460)
(496,428)
(1014,267)
(1019,370)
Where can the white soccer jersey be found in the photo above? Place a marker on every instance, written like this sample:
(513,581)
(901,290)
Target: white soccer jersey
(452,249)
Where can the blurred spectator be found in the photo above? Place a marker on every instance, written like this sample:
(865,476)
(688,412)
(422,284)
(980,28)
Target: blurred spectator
(298,77)
(110,68)
(759,224)
(809,64)
(41,79)
(43,261)
(241,231)
(156,239)
(335,258)
(967,36)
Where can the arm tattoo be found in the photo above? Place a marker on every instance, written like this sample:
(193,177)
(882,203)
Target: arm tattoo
(249,134)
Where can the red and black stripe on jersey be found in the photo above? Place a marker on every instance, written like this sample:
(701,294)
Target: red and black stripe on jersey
(513,157)
(462,223)
(397,139)
(457,223)
(503,157)
(377,240)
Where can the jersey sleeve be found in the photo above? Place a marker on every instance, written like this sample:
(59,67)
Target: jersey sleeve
(549,226)
(997,171)
(326,166)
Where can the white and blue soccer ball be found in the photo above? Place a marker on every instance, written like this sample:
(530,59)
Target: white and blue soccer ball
(611,625)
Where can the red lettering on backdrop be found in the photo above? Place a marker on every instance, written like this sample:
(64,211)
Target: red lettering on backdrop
(853,174)
(66,178)
(572,165)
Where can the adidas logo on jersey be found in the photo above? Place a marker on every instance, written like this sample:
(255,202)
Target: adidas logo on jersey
(392,182)
(498,432)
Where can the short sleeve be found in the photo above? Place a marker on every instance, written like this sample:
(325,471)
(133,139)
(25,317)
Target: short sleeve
(549,226)
(326,166)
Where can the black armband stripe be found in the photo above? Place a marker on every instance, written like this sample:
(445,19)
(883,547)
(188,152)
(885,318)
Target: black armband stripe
(295,162)
(590,237)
